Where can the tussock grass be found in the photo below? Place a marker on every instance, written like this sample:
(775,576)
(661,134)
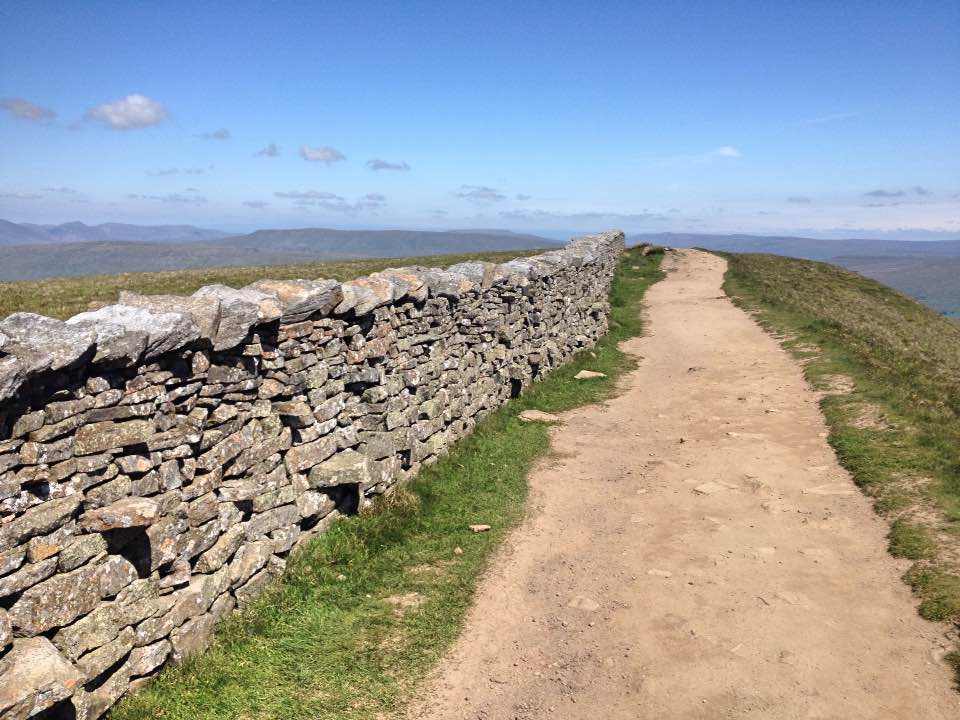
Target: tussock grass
(904,360)
(316,646)
(64,297)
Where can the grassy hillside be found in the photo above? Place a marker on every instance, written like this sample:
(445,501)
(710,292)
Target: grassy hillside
(334,638)
(898,430)
(66,296)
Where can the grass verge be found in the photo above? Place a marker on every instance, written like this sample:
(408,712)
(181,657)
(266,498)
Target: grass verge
(325,642)
(891,370)
(66,296)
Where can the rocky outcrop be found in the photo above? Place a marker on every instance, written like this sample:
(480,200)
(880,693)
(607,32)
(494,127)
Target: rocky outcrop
(160,458)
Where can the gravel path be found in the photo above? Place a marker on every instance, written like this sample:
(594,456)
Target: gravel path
(695,552)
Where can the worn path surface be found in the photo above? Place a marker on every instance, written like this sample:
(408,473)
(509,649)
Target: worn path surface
(696,552)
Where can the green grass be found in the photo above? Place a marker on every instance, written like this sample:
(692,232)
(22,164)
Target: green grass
(898,432)
(63,297)
(318,647)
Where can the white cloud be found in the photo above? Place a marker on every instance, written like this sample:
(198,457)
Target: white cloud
(727,151)
(255,204)
(132,112)
(307,195)
(799,200)
(479,193)
(172,198)
(384,165)
(26,110)
(324,154)
(828,118)
(221,134)
(271,150)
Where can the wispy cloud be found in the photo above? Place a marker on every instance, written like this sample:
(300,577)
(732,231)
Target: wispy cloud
(612,217)
(828,118)
(717,153)
(26,110)
(221,134)
(60,190)
(255,204)
(162,172)
(884,193)
(307,195)
(479,193)
(130,113)
(332,201)
(521,197)
(880,204)
(377,165)
(172,198)
(922,191)
(20,196)
(799,200)
(271,150)
(324,154)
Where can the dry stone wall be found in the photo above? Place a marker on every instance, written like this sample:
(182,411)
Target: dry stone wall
(161,457)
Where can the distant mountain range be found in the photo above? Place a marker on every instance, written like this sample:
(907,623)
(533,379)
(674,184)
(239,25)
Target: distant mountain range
(928,270)
(27,233)
(802,247)
(137,248)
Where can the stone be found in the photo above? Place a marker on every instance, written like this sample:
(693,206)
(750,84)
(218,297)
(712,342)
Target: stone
(407,283)
(27,576)
(39,520)
(312,504)
(479,528)
(588,374)
(41,343)
(537,416)
(62,598)
(35,677)
(304,457)
(250,558)
(222,550)
(144,660)
(108,435)
(96,662)
(480,273)
(346,467)
(240,310)
(6,631)
(124,513)
(80,550)
(194,636)
(266,522)
(13,373)
(363,295)
(162,332)
(27,423)
(203,310)
(302,298)
(136,603)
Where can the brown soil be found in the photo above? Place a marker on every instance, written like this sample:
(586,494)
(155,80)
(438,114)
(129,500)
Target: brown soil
(696,552)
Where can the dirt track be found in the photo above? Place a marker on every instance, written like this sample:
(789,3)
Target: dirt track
(696,552)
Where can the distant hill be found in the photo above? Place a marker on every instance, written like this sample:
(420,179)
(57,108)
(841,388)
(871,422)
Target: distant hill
(806,248)
(28,233)
(933,281)
(264,247)
(328,243)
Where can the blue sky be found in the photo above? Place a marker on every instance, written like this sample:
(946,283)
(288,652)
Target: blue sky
(817,117)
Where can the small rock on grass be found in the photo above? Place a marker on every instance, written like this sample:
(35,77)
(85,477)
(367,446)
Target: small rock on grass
(587,374)
(537,416)
(479,528)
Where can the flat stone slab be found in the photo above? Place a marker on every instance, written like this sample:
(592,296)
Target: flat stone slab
(35,677)
(537,416)
(588,374)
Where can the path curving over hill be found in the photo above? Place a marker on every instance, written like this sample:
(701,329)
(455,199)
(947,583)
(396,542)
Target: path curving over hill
(696,552)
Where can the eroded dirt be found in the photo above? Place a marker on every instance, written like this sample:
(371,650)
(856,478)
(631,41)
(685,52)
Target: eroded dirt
(696,552)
